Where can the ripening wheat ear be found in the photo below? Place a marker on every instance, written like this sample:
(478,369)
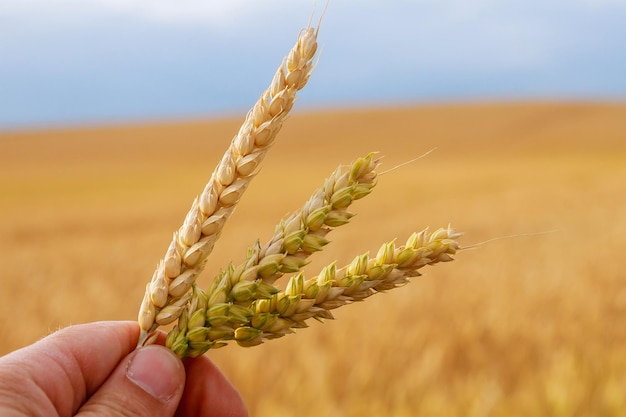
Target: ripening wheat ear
(208,325)
(169,290)
(298,235)
(244,305)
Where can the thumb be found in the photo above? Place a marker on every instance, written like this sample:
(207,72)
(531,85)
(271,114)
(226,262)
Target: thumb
(148,382)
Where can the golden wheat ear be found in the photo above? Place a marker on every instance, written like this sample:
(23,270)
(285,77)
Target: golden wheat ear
(166,295)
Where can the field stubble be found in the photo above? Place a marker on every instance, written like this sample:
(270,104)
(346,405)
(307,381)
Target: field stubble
(523,326)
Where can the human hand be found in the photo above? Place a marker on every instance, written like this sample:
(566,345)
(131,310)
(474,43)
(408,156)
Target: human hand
(94,370)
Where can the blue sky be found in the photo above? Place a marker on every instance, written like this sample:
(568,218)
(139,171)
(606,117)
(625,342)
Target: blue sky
(105,61)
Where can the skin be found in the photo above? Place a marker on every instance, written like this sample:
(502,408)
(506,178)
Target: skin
(94,370)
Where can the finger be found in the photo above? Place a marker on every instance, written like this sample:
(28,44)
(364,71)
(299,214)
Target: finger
(60,371)
(149,382)
(208,393)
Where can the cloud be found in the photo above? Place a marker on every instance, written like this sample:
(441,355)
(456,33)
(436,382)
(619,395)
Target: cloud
(216,12)
(195,11)
(134,57)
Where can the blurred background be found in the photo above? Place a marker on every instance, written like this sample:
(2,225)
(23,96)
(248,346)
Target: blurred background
(113,115)
(84,61)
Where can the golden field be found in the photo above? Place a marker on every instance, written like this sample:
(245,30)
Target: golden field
(524,326)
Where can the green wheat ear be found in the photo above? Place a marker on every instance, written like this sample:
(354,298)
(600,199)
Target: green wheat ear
(243,304)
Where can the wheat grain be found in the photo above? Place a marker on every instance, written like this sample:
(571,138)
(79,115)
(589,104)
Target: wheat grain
(193,242)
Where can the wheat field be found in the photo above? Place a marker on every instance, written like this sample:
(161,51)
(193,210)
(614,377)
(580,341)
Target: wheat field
(530,325)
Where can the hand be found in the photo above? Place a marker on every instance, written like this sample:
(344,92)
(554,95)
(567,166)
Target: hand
(94,370)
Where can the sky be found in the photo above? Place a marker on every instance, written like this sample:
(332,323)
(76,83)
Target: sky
(78,62)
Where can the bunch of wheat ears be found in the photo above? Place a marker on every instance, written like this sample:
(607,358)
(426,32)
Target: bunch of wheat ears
(242,303)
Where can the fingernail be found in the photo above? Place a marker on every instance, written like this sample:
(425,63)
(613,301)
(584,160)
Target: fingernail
(157,371)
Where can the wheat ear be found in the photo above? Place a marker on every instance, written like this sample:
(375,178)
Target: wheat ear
(164,299)
(297,236)
(204,325)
